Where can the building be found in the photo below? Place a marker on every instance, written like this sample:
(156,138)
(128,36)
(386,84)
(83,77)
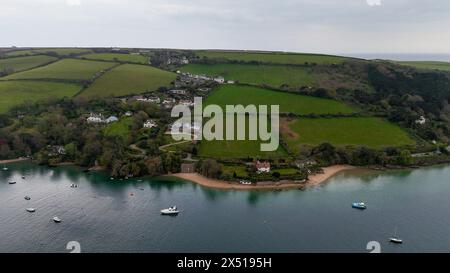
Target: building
(128,114)
(188,167)
(111,119)
(178,92)
(262,167)
(150,124)
(95,118)
(188,103)
(219,79)
(230,82)
(421,120)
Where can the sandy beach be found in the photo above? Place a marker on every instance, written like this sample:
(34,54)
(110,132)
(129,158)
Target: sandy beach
(313,180)
(6,161)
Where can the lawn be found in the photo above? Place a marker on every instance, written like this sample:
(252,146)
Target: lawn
(24,63)
(371,132)
(67,69)
(129,79)
(289,103)
(120,128)
(272,57)
(271,75)
(64,52)
(445,66)
(117,57)
(17,92)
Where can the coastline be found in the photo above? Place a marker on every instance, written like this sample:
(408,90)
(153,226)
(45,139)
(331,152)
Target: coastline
(313,180)
(6,161)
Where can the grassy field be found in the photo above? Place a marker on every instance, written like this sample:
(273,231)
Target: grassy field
(16,92)
(271,75)
(59,51)
(117,57)
(289,103)
(444,66)
(371,132)
(129,79)
(120,128)
(67,69)
(273,57)
(24,63)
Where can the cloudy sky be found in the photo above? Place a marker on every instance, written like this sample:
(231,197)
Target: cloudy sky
(326,26)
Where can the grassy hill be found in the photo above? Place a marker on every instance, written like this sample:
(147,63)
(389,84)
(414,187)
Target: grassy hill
(372,132)
(129,79)
(289,103)
(271,75)
(131,58)
(271,57)
(24,63)
(63,52)
(444,66)
(17,92)
(66,69)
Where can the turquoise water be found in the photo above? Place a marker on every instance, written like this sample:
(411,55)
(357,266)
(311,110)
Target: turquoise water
(123,216)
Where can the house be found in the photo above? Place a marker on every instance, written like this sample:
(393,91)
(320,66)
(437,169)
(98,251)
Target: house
(448,149)
(421,120)
(184,60)
(168,103)
(230,82)
(128,114)
(95,118)
(219,79)
(111,119)
(178,92)
(150,124)
(188,167)
(262,167)
(188,103)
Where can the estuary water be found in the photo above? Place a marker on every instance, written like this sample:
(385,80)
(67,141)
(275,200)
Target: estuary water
(105,215)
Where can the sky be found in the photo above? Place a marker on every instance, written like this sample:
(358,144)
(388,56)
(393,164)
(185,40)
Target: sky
(320,26)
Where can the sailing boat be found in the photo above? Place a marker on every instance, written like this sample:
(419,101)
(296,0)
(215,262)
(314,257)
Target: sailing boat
(395,239)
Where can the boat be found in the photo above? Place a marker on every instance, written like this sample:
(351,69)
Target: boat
(27,197)
(395,239)
(23,176)
(56,219)
(170,211)
(30,209)
(359,205)
(12,182)
(4,168)
(74,186)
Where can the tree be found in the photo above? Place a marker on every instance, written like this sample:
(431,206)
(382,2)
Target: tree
(210,168)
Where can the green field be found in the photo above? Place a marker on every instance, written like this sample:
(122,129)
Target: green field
(117,57)
(120,128)
(24,63)
(129,79)
(271,75)
(67,69)
(444,66)
(289,103)
(59,51)
(17,92)
(371,132)
(273,57)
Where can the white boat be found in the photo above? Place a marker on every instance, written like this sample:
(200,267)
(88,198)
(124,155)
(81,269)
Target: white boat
(5,168)
(12,182)
(395,239)
(170,211)
(56,219)
(30,209)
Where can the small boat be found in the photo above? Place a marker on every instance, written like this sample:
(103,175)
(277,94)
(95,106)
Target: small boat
(12,182)
(359,205)
(74,186)
(5,168)
(27,197)
(56,219)
(111,178)
(23,176)
(170,211)
(30,209)
(394,239)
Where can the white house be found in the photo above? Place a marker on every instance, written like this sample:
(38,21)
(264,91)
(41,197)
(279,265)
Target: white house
(219,79)
(95,118)
(111,119)
(262,167)
(128,114)
(150,124)
(184,60)
(230,82)
(421,120)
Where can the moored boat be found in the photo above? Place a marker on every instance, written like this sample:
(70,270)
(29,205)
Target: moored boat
(359,205)
(56,219)
(30,209)
(170,211)
(12,182)
(27,197)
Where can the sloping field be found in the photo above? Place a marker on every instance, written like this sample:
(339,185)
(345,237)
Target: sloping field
(67,69)
(59,51)
(444,66)
(289,103)
(24,63)
(271,75)
(371,132)
(272,57)
(17,92)
(117,57)
(120,128)
(129,79)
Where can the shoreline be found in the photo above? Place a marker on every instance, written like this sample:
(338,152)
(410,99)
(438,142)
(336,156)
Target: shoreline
(7,161)
(313,180)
